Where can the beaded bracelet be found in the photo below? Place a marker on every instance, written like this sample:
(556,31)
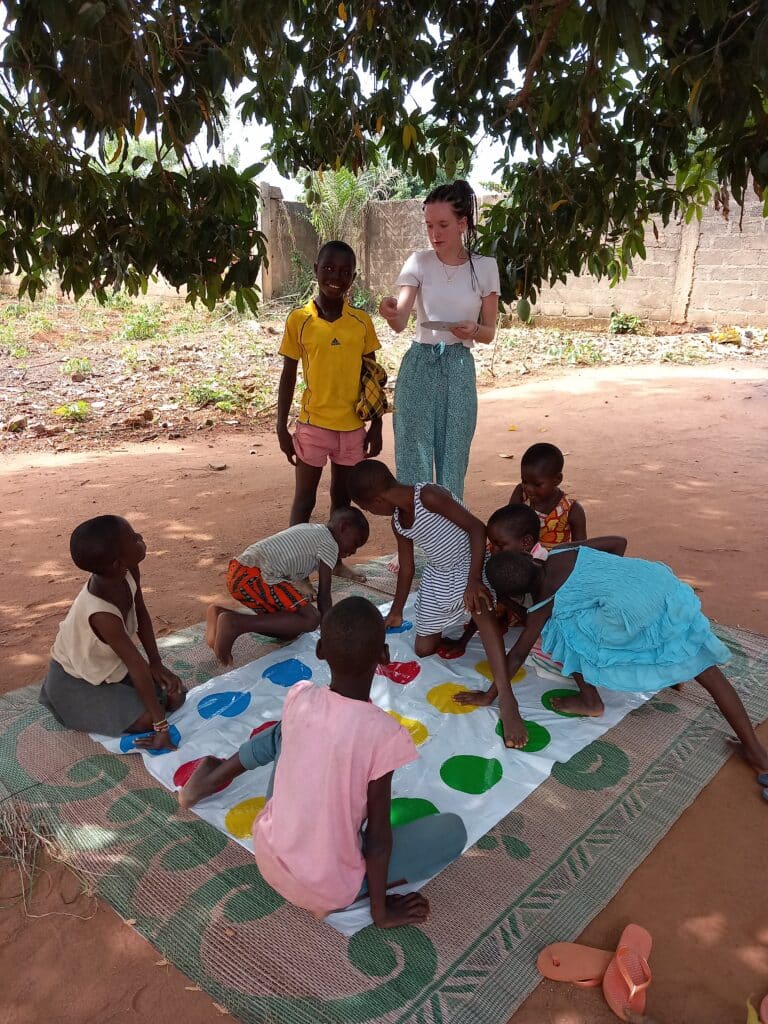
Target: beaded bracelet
(161,726)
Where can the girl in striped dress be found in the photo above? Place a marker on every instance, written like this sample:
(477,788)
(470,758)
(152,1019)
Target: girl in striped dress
(452,588)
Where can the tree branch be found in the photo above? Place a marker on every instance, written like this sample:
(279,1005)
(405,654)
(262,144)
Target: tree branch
(520,99)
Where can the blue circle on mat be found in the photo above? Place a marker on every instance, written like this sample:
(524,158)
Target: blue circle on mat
(128,742)
(402,628)
(288,672)
(228,704)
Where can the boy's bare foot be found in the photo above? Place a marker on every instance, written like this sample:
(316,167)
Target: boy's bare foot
(306,587)
(211,618)
(590,707)
(478,698)
(757,759)
(346,572)
(226,634)
(515,729)
(201,783)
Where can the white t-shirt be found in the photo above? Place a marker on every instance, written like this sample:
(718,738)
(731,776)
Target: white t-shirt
(447,293)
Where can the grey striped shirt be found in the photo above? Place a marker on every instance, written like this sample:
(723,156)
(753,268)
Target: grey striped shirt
(293,553)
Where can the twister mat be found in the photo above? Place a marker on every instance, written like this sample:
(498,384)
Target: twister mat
(463,767)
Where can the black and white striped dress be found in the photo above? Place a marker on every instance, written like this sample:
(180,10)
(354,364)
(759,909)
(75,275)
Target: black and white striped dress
(440,600)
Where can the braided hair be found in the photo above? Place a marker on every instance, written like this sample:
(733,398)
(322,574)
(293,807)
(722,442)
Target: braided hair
(463,201)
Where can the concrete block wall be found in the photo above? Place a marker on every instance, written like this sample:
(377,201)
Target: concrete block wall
(698,274)
(731,271)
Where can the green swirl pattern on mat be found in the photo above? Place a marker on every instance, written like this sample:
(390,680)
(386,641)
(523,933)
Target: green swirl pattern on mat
(234,936)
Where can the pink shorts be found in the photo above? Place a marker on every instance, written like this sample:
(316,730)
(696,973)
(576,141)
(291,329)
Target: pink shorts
(315,445)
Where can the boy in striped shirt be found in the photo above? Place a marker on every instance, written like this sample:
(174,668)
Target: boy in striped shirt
(269,578)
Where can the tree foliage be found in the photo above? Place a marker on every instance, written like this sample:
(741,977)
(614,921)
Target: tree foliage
(610,112)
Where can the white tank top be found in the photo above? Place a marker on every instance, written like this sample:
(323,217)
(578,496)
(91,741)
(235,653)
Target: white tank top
(77,648)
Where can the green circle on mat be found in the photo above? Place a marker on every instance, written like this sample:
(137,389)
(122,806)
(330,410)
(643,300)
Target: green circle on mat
(469,773)
(404,809)
(538,737)
(598,766)
(551,695)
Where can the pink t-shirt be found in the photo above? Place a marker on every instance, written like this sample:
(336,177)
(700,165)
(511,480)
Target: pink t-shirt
(307,838)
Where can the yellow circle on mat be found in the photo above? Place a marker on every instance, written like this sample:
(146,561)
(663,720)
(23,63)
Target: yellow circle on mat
(418,732)
(240,818)
(441,697)
(485,670)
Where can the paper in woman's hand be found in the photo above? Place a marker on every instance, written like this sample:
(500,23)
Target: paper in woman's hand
(439,325)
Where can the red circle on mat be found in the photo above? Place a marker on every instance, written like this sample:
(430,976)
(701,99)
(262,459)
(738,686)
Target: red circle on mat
(402,672)
(182,774)
(449,653)
(262,727)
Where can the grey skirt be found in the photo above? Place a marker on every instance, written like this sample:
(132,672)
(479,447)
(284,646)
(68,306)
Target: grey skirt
(109,709)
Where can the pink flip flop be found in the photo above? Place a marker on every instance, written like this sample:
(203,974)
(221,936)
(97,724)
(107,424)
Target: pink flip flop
(569,961)
(628,975)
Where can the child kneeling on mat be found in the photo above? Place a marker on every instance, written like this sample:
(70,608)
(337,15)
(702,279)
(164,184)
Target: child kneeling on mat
(324,838)
(97,680)
(270,578)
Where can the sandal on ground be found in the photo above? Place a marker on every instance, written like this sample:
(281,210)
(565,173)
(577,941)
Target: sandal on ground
(628,975)
(570,961)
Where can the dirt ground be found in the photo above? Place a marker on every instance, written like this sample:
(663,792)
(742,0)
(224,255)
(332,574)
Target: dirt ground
(672,456)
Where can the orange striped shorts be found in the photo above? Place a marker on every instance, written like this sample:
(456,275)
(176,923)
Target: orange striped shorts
(246,584)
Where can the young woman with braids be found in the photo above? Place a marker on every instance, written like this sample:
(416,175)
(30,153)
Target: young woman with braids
(436,394)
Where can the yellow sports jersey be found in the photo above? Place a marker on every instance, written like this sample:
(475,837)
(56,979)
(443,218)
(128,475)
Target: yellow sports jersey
(331,355)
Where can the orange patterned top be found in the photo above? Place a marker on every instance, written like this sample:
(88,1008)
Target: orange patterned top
(554,527)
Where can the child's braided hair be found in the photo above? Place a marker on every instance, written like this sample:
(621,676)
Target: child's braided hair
(463,201)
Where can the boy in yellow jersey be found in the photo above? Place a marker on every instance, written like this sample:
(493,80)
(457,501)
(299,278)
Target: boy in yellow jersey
(330,337)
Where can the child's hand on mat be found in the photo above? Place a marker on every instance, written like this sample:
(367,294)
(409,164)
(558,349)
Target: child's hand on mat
(285,441)
(157,741)
(465,329)
(388,307)
(393,620)
(409,909)
(169,681)
(477,597)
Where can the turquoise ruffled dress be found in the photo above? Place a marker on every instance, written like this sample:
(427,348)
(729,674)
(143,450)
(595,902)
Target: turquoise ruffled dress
(627,624)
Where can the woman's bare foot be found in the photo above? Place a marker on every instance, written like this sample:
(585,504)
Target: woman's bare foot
(515,729)
(211,618)
(757,759)
(346,572)
(202,782)
(477,698)
(579,704)
(226,634)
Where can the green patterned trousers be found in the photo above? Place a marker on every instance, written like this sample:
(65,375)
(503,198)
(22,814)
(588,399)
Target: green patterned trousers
(435,415)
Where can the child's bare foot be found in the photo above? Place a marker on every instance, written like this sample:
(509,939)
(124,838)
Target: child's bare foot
(306,587)
(226,634)
(579,704)
(201,782)
(478,698)
(211,618)
(346,572)
(393,565)
(756,757)
(515,729)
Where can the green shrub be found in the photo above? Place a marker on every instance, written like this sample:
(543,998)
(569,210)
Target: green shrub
(77,365)
(624,323)
(143,323)
(75,412)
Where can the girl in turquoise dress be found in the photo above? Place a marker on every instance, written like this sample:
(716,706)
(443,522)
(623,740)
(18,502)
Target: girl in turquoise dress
(620,623)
